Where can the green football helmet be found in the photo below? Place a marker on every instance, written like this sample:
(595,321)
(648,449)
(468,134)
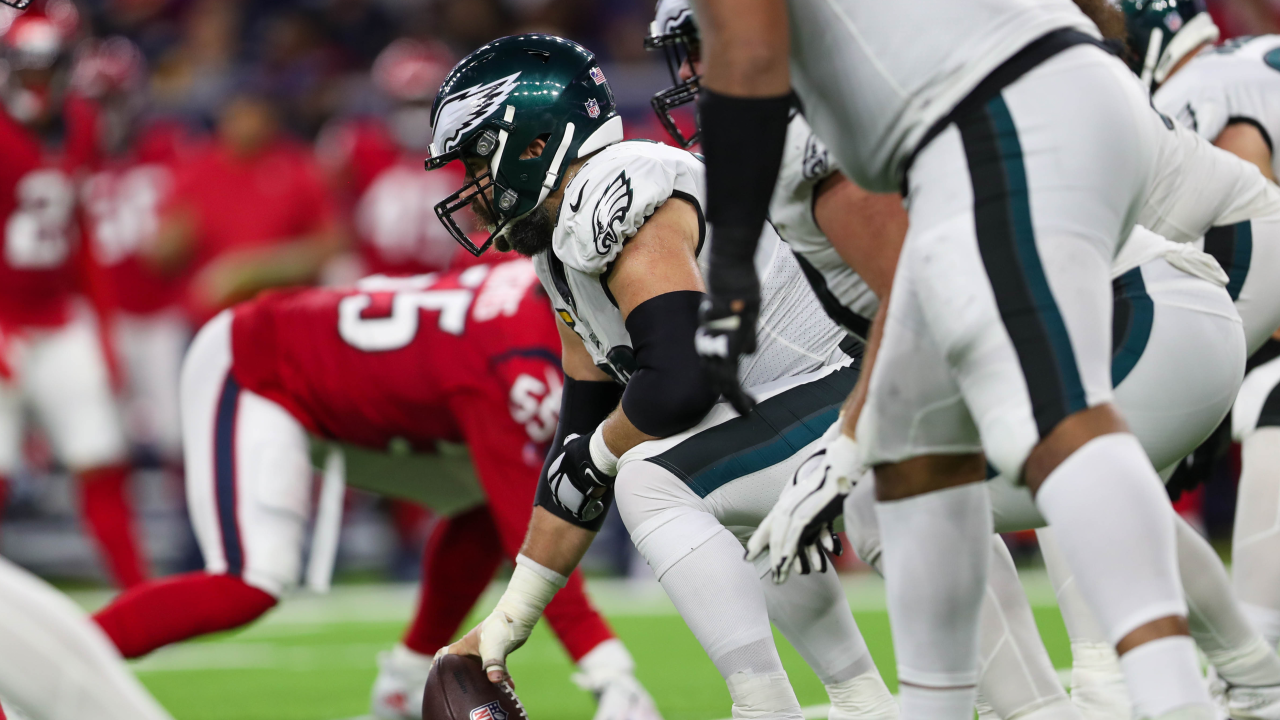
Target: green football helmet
(1163,32)
(497,101)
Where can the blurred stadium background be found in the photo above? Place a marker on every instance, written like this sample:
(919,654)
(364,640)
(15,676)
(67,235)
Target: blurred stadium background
(342,84)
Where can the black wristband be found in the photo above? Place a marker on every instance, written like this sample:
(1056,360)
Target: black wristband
(742,140)
(584,404)
(670,391)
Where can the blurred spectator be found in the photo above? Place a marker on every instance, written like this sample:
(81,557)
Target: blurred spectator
(378,166)
(122,202)
(196,76)
(51,355)
(248,213)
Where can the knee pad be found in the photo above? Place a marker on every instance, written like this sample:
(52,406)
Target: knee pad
(763,696)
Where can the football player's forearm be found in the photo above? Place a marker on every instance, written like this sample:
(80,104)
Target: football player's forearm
(555,543)
(745,47)
(620,434)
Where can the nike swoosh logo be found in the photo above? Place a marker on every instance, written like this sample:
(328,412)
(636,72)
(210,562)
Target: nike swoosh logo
(573,206)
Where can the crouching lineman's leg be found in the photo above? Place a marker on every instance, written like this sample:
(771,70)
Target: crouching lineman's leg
(1006,266)
(55,664)
(679,496)
(249,494)
(1256,541)
(1017,680)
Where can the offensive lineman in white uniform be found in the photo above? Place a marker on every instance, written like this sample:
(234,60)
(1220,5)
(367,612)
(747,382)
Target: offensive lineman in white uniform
(1230,95)
(1188,325)
(616,232)
(1024,153)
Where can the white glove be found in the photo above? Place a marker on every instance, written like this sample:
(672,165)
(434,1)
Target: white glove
(798,530)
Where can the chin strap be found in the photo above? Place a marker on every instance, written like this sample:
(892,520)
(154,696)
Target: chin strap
(553,172)
(1154,41)
(1198,31)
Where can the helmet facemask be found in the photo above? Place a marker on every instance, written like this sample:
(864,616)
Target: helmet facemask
(479,188)
(678,47)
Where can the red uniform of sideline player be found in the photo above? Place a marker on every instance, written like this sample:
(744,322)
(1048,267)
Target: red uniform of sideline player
(468,356)
(149,327)
(50,352)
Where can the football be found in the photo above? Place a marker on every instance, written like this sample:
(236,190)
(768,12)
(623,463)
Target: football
(458,689)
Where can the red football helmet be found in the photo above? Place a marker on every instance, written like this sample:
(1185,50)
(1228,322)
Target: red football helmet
(113,65)
(36,39)
(412,70)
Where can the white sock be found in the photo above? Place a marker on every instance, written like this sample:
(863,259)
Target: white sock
(1255,543)
(56,664)
(1114,526)
(757,696)
(1218,623)
(935,557)
(864,697)
(918,702)
(1018,678)
(607,660)
(1097,682)
(1164,676)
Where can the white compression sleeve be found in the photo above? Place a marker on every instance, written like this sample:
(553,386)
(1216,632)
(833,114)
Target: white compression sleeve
(1114,525)
(55,664)
(1097,682)
(1018,679)
(1218,625)
(718,595)
(935,556)
(1255,544)
(813,613)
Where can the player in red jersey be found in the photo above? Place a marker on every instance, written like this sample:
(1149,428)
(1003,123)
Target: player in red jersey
(469,356)
(378,166)
(50,352)
(122,200)
(249,212)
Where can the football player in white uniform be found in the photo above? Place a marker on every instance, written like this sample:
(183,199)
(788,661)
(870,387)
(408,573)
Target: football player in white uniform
(1229,95)
(55,664)
(617,234)
(1025,153)
(1161,312)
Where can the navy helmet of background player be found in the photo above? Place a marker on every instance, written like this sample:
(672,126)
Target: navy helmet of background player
(1162,33)
(487,113)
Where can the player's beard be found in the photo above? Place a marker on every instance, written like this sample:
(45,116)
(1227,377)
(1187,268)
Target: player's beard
(528,236)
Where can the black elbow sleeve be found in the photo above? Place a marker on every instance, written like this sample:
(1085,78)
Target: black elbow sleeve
(669,392)
(584,404)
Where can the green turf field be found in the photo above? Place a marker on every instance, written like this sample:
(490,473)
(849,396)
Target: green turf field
(314,657)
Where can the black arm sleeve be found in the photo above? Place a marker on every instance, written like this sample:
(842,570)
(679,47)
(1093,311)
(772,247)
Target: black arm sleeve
(669,392)
(584,404)
(743,140)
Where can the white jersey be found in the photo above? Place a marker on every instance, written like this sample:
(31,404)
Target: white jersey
(606,203)
(1238,81)
(805,163)
(875,76)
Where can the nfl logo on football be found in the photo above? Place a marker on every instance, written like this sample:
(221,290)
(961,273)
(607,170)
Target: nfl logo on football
(489,711)
(593,108)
